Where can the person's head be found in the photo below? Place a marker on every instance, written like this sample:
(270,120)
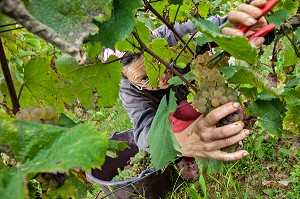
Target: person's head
(135,71)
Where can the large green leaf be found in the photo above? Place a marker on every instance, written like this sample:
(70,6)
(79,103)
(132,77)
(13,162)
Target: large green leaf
(120,25)
(41,148)
(238,47)
(46,148)
(164,147)
(268,113)
(239,75)
(63,23)
(278,17)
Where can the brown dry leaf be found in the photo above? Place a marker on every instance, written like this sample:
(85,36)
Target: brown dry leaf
(276,184)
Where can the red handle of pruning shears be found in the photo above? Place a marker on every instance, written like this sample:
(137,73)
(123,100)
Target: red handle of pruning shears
(263,31)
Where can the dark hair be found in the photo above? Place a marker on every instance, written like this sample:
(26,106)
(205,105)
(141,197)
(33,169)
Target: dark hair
(128,57)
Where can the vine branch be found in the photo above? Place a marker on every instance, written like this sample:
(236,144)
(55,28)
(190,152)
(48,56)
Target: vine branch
(149,7)
(8,80)
(169,66)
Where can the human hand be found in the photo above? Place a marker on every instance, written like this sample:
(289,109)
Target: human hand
(203,139)
(247,15)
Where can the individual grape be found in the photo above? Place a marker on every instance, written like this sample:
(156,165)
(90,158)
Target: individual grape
(201,109)
(202,101)
(223,99)
(205,94)
(218,94)
(232,98)
(38,112)
(215,102)
(50,112)
(23,115)
(221,89)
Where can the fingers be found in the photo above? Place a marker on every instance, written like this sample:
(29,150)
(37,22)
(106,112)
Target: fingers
(228,157)
(227,130)
(232,31)
(258,3)
(253,11)
(217,114)
(227,141)
(238,18)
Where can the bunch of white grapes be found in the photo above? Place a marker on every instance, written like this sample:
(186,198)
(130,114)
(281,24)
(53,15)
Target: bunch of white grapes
(212,89)
(138,163)
(39,114)
(213,92)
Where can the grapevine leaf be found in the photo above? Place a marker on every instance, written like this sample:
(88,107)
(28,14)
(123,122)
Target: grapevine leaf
(292,83)
(264,96)
(291,121)
(268,114)
(292,97)
(40,148)
(177,80)
(118,145)
(166,150)
(291,6)
(249,93)
(201,40)
(288,55)
(93,50)
(120,25)
(61,22)
(82,82)
(45,148)
(144,31)
(205,6)
(153,67)
(209,165)
(12,184)
(228,43)
(247,76)
(278,17)
(73,187)
(65,121)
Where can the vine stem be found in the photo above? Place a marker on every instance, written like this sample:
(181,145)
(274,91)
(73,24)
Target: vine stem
(292,42)
(148,6)
(8,80)
(169,66)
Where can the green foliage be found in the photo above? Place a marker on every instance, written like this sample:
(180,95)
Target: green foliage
(120,25)
(46,148)
(228,43)
(162,141)
(42,74)
(155,70)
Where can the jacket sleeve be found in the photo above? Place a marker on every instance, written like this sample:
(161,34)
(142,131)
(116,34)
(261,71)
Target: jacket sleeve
(141,107)
(183,29)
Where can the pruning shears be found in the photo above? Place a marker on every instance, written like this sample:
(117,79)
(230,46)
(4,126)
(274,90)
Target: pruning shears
(259,33)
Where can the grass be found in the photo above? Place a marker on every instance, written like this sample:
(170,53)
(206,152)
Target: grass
(266,173)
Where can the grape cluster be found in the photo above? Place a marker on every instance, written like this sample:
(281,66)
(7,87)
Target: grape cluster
(212,89)
(39,114)
(138,163)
